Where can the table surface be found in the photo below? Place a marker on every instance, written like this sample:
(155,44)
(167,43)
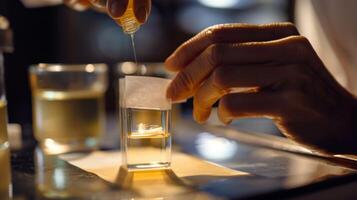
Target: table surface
(274,172)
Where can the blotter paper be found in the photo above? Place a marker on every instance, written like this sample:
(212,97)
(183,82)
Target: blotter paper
(106,165)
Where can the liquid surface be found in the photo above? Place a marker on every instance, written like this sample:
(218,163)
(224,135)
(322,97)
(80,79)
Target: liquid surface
(66,117)
(147,144)
(3,124)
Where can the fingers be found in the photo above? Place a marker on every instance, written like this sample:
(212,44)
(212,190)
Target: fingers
(227,33)
(293,49)
(116,8)
(233,106)
(142,10)
(225,79)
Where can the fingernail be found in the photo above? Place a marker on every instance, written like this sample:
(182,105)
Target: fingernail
(141,14)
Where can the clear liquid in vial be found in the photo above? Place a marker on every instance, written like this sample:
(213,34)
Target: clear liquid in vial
(148,141)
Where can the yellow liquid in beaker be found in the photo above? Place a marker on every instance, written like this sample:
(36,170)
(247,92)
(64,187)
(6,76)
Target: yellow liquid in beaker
(68,118)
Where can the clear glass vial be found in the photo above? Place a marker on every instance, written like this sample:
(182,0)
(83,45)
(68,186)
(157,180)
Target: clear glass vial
(145,123)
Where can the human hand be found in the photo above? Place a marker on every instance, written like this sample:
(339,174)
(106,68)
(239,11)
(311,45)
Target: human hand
(78,5)
(287,80)
(116,8)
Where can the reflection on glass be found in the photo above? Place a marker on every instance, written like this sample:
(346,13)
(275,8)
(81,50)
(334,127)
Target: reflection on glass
(219,3)
(152,183)
(5,175)
(56,179)
(68,106)
(51,178)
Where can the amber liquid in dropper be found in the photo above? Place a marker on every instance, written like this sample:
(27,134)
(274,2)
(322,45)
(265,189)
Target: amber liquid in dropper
(130,24)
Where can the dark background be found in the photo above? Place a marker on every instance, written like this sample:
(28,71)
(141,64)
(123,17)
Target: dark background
(61,35)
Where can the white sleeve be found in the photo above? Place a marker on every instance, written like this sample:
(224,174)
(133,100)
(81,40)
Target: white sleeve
(40,3)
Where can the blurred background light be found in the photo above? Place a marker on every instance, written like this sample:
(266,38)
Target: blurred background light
(219,3)
(215,148)
(227,3)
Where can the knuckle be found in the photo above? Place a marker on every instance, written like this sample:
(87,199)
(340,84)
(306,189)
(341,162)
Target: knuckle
(301,46)
(226,106)
(214,33)
(281,29)
(290,28)
(184,80)
(218,78)
(213,53)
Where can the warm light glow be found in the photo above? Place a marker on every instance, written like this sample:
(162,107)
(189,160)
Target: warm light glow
(59,178)
(90,68)
(128,67)
(147,131)
(152,165)
(55,68)
(53,147)
(219,3)
(215,148)
(53,95)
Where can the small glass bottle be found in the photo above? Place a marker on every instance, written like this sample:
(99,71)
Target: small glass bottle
(128,21)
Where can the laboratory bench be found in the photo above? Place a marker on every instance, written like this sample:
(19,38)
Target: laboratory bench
(264,167)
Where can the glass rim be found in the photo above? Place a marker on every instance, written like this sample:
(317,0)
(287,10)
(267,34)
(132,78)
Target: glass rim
(54,67)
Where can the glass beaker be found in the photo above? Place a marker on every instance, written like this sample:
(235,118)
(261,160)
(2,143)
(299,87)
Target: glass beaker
(6,46)
(145,119)
(3,111)
(68,106)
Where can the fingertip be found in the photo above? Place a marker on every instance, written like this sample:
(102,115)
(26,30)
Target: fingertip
(171,93)
(222,115)
(198,120)
(169,64)
(223,119)
(200,116)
